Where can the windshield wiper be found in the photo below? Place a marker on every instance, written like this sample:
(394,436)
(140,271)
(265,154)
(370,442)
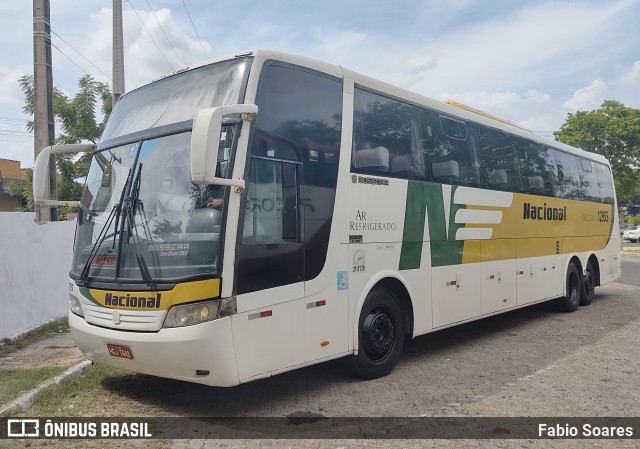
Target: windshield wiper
(131,205)
(115,212)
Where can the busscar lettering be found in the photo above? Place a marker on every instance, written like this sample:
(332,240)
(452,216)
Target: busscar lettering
(170,249)
(533,212)
(140,302)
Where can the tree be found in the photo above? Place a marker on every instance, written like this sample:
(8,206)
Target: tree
(614,132)
(23,190)
(76,118)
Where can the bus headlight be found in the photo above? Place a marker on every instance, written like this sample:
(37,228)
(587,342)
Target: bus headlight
(188,314)
(74,305)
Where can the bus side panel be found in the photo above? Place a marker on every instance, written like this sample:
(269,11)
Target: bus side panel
(498,277)
(455,295)
(326,314)
(610,268)
(268,338)
(539,271)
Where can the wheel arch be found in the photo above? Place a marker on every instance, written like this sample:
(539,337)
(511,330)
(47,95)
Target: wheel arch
(578,263)
(593,258)
(397,285)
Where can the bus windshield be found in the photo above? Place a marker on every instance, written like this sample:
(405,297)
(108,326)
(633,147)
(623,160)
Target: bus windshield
(142,219)
(177,98)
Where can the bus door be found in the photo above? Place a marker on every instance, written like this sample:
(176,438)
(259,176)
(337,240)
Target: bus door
(270,260)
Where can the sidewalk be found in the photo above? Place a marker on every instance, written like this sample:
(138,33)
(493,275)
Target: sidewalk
(55,350)
(631,251)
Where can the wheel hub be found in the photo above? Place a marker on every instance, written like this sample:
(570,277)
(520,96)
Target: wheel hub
(379,333)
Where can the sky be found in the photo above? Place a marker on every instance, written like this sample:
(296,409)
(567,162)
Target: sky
(529,61)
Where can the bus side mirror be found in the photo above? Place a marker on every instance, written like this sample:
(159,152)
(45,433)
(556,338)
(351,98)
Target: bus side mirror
(41,173)
(205,143)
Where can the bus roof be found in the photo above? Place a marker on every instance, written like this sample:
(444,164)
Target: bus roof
(449,107)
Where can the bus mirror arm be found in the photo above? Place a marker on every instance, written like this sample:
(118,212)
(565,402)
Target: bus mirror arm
(41,172)
(205,143)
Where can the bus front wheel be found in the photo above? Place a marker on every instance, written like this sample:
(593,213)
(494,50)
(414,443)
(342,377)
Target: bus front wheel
(571,301)
(380,335)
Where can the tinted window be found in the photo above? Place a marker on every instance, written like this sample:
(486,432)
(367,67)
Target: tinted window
(588,181)
(453,150)
(605,183)
(537,168)
(499,159)
(299,118)
(568,181)
(387,137)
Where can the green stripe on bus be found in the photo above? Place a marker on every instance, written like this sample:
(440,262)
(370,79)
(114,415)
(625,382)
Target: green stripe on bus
(425,201)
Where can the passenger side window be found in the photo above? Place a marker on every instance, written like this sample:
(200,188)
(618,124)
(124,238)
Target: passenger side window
(588,181)
(605,184)
(387,137)
(537,168)
(568,181)
(499,163)
(453,150)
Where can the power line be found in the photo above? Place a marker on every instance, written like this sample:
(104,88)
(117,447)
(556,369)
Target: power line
(85,58)
(194,29)
(72,61)
(149,33)
(17,141)
(165,34)
(15,120)
(9,132)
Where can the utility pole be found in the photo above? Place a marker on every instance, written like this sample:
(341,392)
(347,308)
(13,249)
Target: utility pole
(118,53)
(44,132)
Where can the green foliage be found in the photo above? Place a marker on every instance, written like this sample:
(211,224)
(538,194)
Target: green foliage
(23,190)
(77,121)
(613,131)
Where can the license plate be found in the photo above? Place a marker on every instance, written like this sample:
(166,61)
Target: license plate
(121,351)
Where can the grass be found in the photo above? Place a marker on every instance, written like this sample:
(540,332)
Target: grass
(15,382)
(77,396)
(87,395)
(9,345)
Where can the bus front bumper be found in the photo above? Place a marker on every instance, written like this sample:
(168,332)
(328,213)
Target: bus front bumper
(183,353)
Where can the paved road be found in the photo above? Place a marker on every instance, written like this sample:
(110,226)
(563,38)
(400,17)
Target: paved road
(631,269)
(529,362)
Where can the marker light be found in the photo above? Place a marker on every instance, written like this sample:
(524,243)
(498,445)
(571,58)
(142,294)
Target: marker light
(74,305)
(189,314)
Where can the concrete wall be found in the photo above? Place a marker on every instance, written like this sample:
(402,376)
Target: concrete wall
(34,271)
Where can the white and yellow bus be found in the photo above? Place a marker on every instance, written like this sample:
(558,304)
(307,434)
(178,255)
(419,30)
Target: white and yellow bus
(268,211)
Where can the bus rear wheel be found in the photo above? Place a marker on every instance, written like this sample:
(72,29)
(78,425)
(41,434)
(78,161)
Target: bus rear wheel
(588,285)
(380,335)
(570,302)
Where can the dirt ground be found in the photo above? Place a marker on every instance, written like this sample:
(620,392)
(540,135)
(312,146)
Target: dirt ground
(59,350)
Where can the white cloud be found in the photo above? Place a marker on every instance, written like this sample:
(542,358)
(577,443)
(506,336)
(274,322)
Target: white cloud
(632,77)
(588,98)
(10,93)
(530,62)
(532,109)
(143,60)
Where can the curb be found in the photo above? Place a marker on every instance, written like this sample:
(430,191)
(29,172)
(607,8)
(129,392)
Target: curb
(26,400)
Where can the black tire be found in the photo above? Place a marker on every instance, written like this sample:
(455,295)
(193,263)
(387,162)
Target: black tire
(633,241)
(570,302)
(380,335)
(588,285)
